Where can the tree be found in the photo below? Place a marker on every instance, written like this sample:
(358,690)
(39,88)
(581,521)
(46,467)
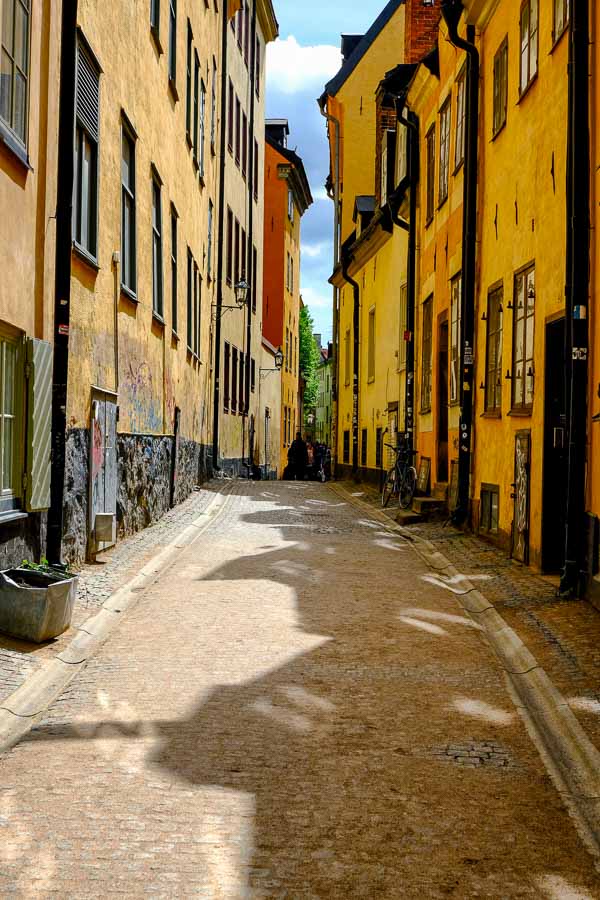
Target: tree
(309,359)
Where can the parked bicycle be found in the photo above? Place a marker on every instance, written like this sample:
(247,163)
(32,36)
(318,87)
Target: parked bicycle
(401,480)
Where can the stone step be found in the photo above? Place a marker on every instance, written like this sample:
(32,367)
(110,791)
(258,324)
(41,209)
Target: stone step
(440,490)
(428,505)
(408,517)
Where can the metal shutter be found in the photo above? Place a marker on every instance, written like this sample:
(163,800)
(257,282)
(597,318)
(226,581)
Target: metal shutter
(39,423)
(88,92)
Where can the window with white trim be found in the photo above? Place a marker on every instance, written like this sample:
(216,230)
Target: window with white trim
(14,67)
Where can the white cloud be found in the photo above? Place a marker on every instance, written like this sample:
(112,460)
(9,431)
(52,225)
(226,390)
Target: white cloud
(314,250)
(292,67)
(316,299)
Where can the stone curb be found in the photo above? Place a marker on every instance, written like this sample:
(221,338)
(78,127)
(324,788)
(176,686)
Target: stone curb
(20,711)
(562,742)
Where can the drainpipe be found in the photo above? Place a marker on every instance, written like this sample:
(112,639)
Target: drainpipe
(452,11)
(62,278)
(411,121)
(249,261)
(219,310)
(356,357)
(573,581)
(336,258)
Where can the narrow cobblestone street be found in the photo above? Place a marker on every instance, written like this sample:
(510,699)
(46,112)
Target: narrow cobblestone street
(296,708)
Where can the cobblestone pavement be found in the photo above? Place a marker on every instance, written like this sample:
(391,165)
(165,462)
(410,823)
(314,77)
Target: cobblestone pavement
(294,710)
(563,635)
(97,582)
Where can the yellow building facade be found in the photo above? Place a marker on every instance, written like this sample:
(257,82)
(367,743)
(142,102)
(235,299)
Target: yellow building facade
(29,118)
(143,266)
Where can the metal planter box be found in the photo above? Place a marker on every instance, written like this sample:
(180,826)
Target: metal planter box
(35,606)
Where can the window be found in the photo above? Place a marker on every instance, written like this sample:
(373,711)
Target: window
(252,375)
(226,367)
(197,296)
(363,447)
(242,391)
(291,206)
(371,346)
(459,145)
(244,143)
(402,335)
(243,254)
(173,268)
(254,277)
(155,16)
(388,165)
(255,158)
(236,254)
(444,152)
(257,66)
(190,300)
(240,24)
(529,43)
(85,206)
(561,18)
(202,127)
(128,244)
(430,150)
(10,439)
(246,31)
(157,276)
(229,272)
(234,378)
(213,110)
(287,349)
(238,125)
(379,447)
(426,356)
(172,40)
(291,275)
(14,67)
(230,118)
(347,370)
(455,292)
(488,508)
(188,88)
(210,240)
(493,364)
(196,105)
(523,326)
(346,456)
(500,87)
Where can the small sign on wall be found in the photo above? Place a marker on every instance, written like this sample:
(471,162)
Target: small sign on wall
(424,475)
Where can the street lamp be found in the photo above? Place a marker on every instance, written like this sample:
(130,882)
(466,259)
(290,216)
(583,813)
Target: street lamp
(241,292)
(278,360)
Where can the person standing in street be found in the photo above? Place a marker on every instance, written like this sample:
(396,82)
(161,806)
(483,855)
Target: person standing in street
(298,457)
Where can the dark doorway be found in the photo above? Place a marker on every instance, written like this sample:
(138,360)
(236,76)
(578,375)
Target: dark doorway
(442,420)
(555,450)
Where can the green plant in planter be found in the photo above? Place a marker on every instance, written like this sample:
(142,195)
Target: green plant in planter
(57,571)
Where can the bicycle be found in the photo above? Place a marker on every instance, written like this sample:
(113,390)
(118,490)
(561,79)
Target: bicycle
(401,478)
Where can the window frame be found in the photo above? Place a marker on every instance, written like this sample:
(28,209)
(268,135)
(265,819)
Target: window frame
(461,119)
(17,143)
(172,63)
(229,246)
(371,337)
(403,309)
(500,102)
(426,354)
(86,131)
(489,491)
(520,404)
(129,287)
(174,261)
(455,339)
(528,5)
(226,375)
(209,240)
(445,117)
(158,300)
(12,497)
(494,333)
(557,34)
(188,84)
(430,175)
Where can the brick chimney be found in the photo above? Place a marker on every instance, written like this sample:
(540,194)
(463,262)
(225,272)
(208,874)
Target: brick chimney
(422,20)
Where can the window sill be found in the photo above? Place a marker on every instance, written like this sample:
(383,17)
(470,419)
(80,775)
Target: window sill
(174,336)
(453,403)
(173,90)
(12,515)
(213,149)
(158,320)
(458,166)
(188,140)
(425,411)
(201,180)
(442,202)
(520,413)
(156,39)
(14,146)
(491,414)
(428,222)
(498,131)
(371,380)
(527,88)
(86,256)
(129,294)
(556,40)
(196,164)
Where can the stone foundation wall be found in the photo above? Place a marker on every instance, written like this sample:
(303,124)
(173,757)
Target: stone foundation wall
(75,506)
(23,539)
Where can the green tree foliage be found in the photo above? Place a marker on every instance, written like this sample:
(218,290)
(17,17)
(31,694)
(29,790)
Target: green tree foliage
(309,359)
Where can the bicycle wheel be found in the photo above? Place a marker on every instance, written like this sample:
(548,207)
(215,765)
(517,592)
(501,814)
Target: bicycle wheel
(407,487)
(389,487)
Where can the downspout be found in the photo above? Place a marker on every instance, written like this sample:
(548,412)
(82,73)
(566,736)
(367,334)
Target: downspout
(336,257)
(219,309)
(62,275)
(249,244)
(573,581)
(356,359)
(452,11)
(411,121)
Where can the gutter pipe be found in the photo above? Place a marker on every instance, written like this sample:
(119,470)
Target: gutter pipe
(573,580)
(452,11)
(219,310)
(62,276)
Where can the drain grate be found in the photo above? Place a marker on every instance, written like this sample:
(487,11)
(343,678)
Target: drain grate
(474,754)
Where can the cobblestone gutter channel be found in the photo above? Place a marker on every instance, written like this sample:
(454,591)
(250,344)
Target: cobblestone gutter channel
(509,598)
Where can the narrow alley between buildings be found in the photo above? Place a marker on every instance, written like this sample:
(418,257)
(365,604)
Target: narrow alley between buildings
(297,706)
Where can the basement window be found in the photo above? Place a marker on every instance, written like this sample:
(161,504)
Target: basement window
(488,508)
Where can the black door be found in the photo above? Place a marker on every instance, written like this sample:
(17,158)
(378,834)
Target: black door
(442,429)
(555,450)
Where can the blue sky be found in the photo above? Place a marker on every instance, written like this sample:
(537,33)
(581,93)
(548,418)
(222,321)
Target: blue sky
(298,65)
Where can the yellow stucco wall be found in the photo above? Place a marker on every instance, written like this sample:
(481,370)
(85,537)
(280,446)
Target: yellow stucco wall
(156,372)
